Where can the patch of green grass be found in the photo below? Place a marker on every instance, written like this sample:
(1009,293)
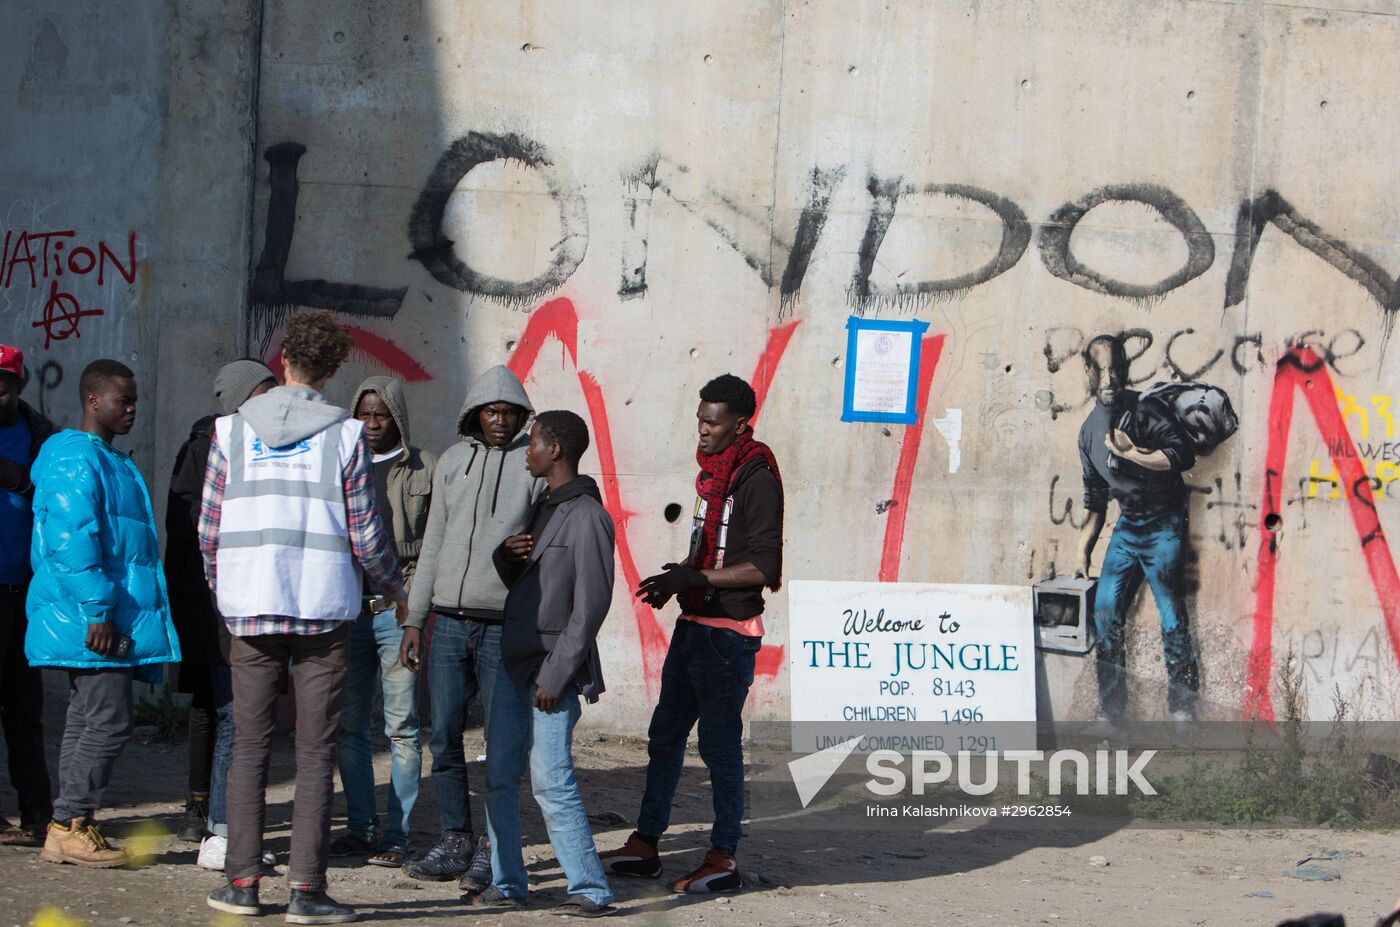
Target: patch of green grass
(1335,784)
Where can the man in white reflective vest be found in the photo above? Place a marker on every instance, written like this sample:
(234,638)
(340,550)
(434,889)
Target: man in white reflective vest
(287,522)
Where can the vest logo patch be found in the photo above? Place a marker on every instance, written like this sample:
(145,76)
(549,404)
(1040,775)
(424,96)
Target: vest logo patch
(262,452)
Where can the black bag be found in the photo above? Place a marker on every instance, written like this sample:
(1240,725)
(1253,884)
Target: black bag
(1200,412)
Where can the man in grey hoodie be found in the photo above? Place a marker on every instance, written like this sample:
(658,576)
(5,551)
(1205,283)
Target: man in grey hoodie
(482,494)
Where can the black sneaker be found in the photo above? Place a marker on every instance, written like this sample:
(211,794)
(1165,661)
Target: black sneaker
(477,878)
(234,900)
(444,862)
(317,908)
(493,899)
(192,829)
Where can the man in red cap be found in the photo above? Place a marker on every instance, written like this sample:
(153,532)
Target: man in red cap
(22,431)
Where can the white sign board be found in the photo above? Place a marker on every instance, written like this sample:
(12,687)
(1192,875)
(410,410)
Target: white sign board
(912,666)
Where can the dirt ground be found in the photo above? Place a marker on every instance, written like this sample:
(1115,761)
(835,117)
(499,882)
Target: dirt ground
(808,877)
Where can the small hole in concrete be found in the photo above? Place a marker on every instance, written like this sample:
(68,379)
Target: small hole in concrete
(1273,521)
(527,47)
(694,352)
(835,361)
(709,58)
(510,345)
(339,37)
(1008,368)
(1190,94)
(853,70)
(885,432)
(405,38)
(1322,105)
(1025,85)
(673,512)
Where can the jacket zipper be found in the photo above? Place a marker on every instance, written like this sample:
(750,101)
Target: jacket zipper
(476,508)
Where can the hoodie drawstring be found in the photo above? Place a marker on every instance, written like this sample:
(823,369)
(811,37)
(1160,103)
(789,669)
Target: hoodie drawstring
(467,472)
(500,471)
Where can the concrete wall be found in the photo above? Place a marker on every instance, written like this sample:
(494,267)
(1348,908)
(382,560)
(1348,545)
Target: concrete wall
(627,199)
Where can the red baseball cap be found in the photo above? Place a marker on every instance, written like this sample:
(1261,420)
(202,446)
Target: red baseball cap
(11,360)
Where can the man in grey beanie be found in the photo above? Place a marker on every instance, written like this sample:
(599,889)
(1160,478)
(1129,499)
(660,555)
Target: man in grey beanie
(204,673)
(240,381)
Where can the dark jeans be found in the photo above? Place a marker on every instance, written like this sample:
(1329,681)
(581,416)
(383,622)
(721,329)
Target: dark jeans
(318,663)
(705,678)
(22,714)
(97,727)
(1153,549)
(221,694)
(463,659)
(203,729)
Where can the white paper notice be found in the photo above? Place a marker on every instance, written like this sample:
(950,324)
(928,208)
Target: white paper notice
(882,372)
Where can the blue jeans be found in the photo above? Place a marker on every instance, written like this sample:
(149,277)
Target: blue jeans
(521,733)
(463,659)
(221,691)
(374,654)
(705,678)
(1155,549)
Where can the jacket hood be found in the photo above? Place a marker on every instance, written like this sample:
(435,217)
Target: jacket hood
(289,414)
(495,385)
(578,486)
(389,389)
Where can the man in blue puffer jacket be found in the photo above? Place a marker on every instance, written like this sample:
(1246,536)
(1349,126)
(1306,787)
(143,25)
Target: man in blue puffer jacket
(97,604)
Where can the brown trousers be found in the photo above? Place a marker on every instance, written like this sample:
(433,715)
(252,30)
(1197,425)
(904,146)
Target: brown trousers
(318,663)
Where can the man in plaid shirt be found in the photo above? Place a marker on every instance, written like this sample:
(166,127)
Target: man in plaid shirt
(288,519)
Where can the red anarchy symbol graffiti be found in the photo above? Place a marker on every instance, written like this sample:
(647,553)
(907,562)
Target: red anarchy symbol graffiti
(61,316)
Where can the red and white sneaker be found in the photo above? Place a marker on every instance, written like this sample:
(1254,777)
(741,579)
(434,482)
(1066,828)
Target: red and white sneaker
(637,858)
(718,873)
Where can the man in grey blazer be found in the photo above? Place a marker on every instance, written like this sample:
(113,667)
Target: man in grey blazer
(560,576)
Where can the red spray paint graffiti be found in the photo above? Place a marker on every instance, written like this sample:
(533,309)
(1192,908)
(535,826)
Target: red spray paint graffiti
(898,511)
(558,318)
(48,256)
(1301,369)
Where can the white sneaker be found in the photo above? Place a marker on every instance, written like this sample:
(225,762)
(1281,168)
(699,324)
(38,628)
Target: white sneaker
(212,851)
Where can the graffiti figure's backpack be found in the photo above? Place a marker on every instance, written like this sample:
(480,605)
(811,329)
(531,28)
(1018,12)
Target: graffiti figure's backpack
(1201,412)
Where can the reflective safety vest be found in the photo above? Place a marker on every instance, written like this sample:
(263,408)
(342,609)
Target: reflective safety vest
(284,538)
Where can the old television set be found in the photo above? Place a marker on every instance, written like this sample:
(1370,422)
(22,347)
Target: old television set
(1064,614)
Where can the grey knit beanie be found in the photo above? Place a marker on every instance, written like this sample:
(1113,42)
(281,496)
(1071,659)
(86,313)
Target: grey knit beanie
(237,380)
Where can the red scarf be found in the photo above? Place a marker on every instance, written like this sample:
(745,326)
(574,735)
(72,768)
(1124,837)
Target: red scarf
(714,484)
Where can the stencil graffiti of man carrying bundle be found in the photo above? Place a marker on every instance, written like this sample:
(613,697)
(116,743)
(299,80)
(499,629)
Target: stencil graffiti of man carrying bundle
(1134,448)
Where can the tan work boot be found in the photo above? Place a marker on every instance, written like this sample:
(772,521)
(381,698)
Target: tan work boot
(81,844)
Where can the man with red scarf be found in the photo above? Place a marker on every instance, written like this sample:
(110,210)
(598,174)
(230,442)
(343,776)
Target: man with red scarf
(736,550)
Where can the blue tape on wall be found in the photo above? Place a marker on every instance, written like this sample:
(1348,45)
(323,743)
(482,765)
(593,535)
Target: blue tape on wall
(880,387)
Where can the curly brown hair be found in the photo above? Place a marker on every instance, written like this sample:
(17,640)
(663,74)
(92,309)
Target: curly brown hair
(316,344)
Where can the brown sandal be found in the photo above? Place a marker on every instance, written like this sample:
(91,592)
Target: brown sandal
(12,835)
(389,859)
